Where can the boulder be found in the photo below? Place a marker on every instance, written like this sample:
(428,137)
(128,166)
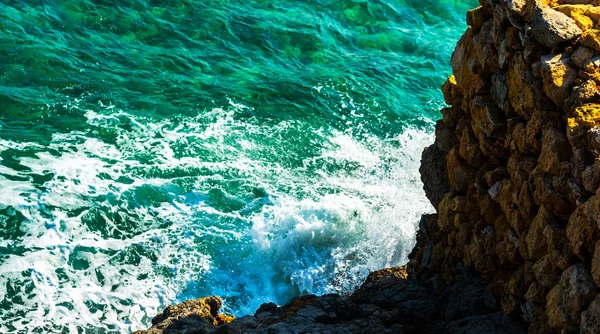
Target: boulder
(551,27)
(581,55)
(570,297)
(587,115)
(191,316)
(434,174)
(591,39)
(555,149)
(558,76)
(585,16)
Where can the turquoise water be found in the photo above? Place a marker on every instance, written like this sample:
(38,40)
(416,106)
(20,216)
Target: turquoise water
(154,151)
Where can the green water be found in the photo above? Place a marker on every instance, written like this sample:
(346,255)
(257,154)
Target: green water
(155,151)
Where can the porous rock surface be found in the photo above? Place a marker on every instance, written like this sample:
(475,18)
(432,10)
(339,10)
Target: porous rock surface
(514,175)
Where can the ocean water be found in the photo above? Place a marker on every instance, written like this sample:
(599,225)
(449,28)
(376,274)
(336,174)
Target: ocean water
(153,151)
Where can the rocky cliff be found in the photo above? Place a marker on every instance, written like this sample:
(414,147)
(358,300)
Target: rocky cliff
(514,176)
(518,202)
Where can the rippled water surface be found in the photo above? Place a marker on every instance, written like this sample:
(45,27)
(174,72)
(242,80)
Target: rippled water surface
(153,151)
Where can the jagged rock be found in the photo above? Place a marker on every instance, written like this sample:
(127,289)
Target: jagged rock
(520,89)
(451,90)
(587,115)
(546,272)
(558,76)
(584,15)
(571,296)
(596,264)
(581,55)
(459,172)
(192,316)
(434,174)
(477,17)
(590,318)
(465,66)
(515,10)
(582,231)
(591,178)
(495,323)
(386,303)
(591,39)
(555,149)
(551,27)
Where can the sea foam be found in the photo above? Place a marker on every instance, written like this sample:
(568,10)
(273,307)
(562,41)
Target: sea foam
(162,212)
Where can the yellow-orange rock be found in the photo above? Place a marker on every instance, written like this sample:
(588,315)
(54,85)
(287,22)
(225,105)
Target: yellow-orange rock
(591,39)
(587,115)
(585,16)
(558,77)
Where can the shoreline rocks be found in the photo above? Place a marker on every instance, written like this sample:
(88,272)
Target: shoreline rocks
(388,302)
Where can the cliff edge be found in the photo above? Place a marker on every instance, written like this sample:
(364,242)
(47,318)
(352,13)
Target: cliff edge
(513,174)
(520,144)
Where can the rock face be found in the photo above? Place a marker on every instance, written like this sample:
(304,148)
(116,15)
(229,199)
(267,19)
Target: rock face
(514,175)
(526,170)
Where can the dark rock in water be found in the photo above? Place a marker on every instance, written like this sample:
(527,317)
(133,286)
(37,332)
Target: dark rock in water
(388,302)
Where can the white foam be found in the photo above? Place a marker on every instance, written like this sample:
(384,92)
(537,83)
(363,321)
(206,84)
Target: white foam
(323,224)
